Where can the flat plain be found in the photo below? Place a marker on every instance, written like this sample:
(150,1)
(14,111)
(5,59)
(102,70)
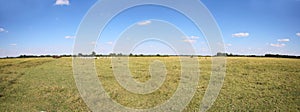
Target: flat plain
(251,84)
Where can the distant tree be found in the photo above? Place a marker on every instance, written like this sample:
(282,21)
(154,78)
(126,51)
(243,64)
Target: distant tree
(21,56)
(112,54)
(56,56)
(93,53)
(158,55)
(80,54)
(221,54)
(119,54)
(99,55)
(130,54)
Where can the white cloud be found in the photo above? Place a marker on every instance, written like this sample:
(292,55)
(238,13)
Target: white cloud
(13,44)
(93,43)
(110,43)
(194,37)
(3,30)
(144,23)
(228,45)
(283,40)
(298,34)
(70,37)
(277,45)
(190,40)
(62,2)
(240,34)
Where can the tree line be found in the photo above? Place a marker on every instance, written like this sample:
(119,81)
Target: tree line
(266,55)
(94,54)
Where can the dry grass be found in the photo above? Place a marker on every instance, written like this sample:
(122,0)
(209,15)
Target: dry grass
(251,84)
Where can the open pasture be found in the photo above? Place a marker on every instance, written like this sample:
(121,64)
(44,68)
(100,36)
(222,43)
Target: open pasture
(251,84)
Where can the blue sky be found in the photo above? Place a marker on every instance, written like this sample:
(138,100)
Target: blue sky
(248,26)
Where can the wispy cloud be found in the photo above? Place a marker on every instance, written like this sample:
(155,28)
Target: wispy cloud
(298,34)
(93,43)
(194,37)
(243,34)
(283,40)
(13,44)
(62,2)
(190,40)
(277,45)
(3,30)
(228,45)
(110,43)
(144,23)
(70,37)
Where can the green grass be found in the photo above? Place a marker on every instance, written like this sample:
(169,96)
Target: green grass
(251,84)
(39,85)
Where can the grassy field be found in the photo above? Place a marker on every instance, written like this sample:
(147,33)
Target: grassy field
(251,84)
